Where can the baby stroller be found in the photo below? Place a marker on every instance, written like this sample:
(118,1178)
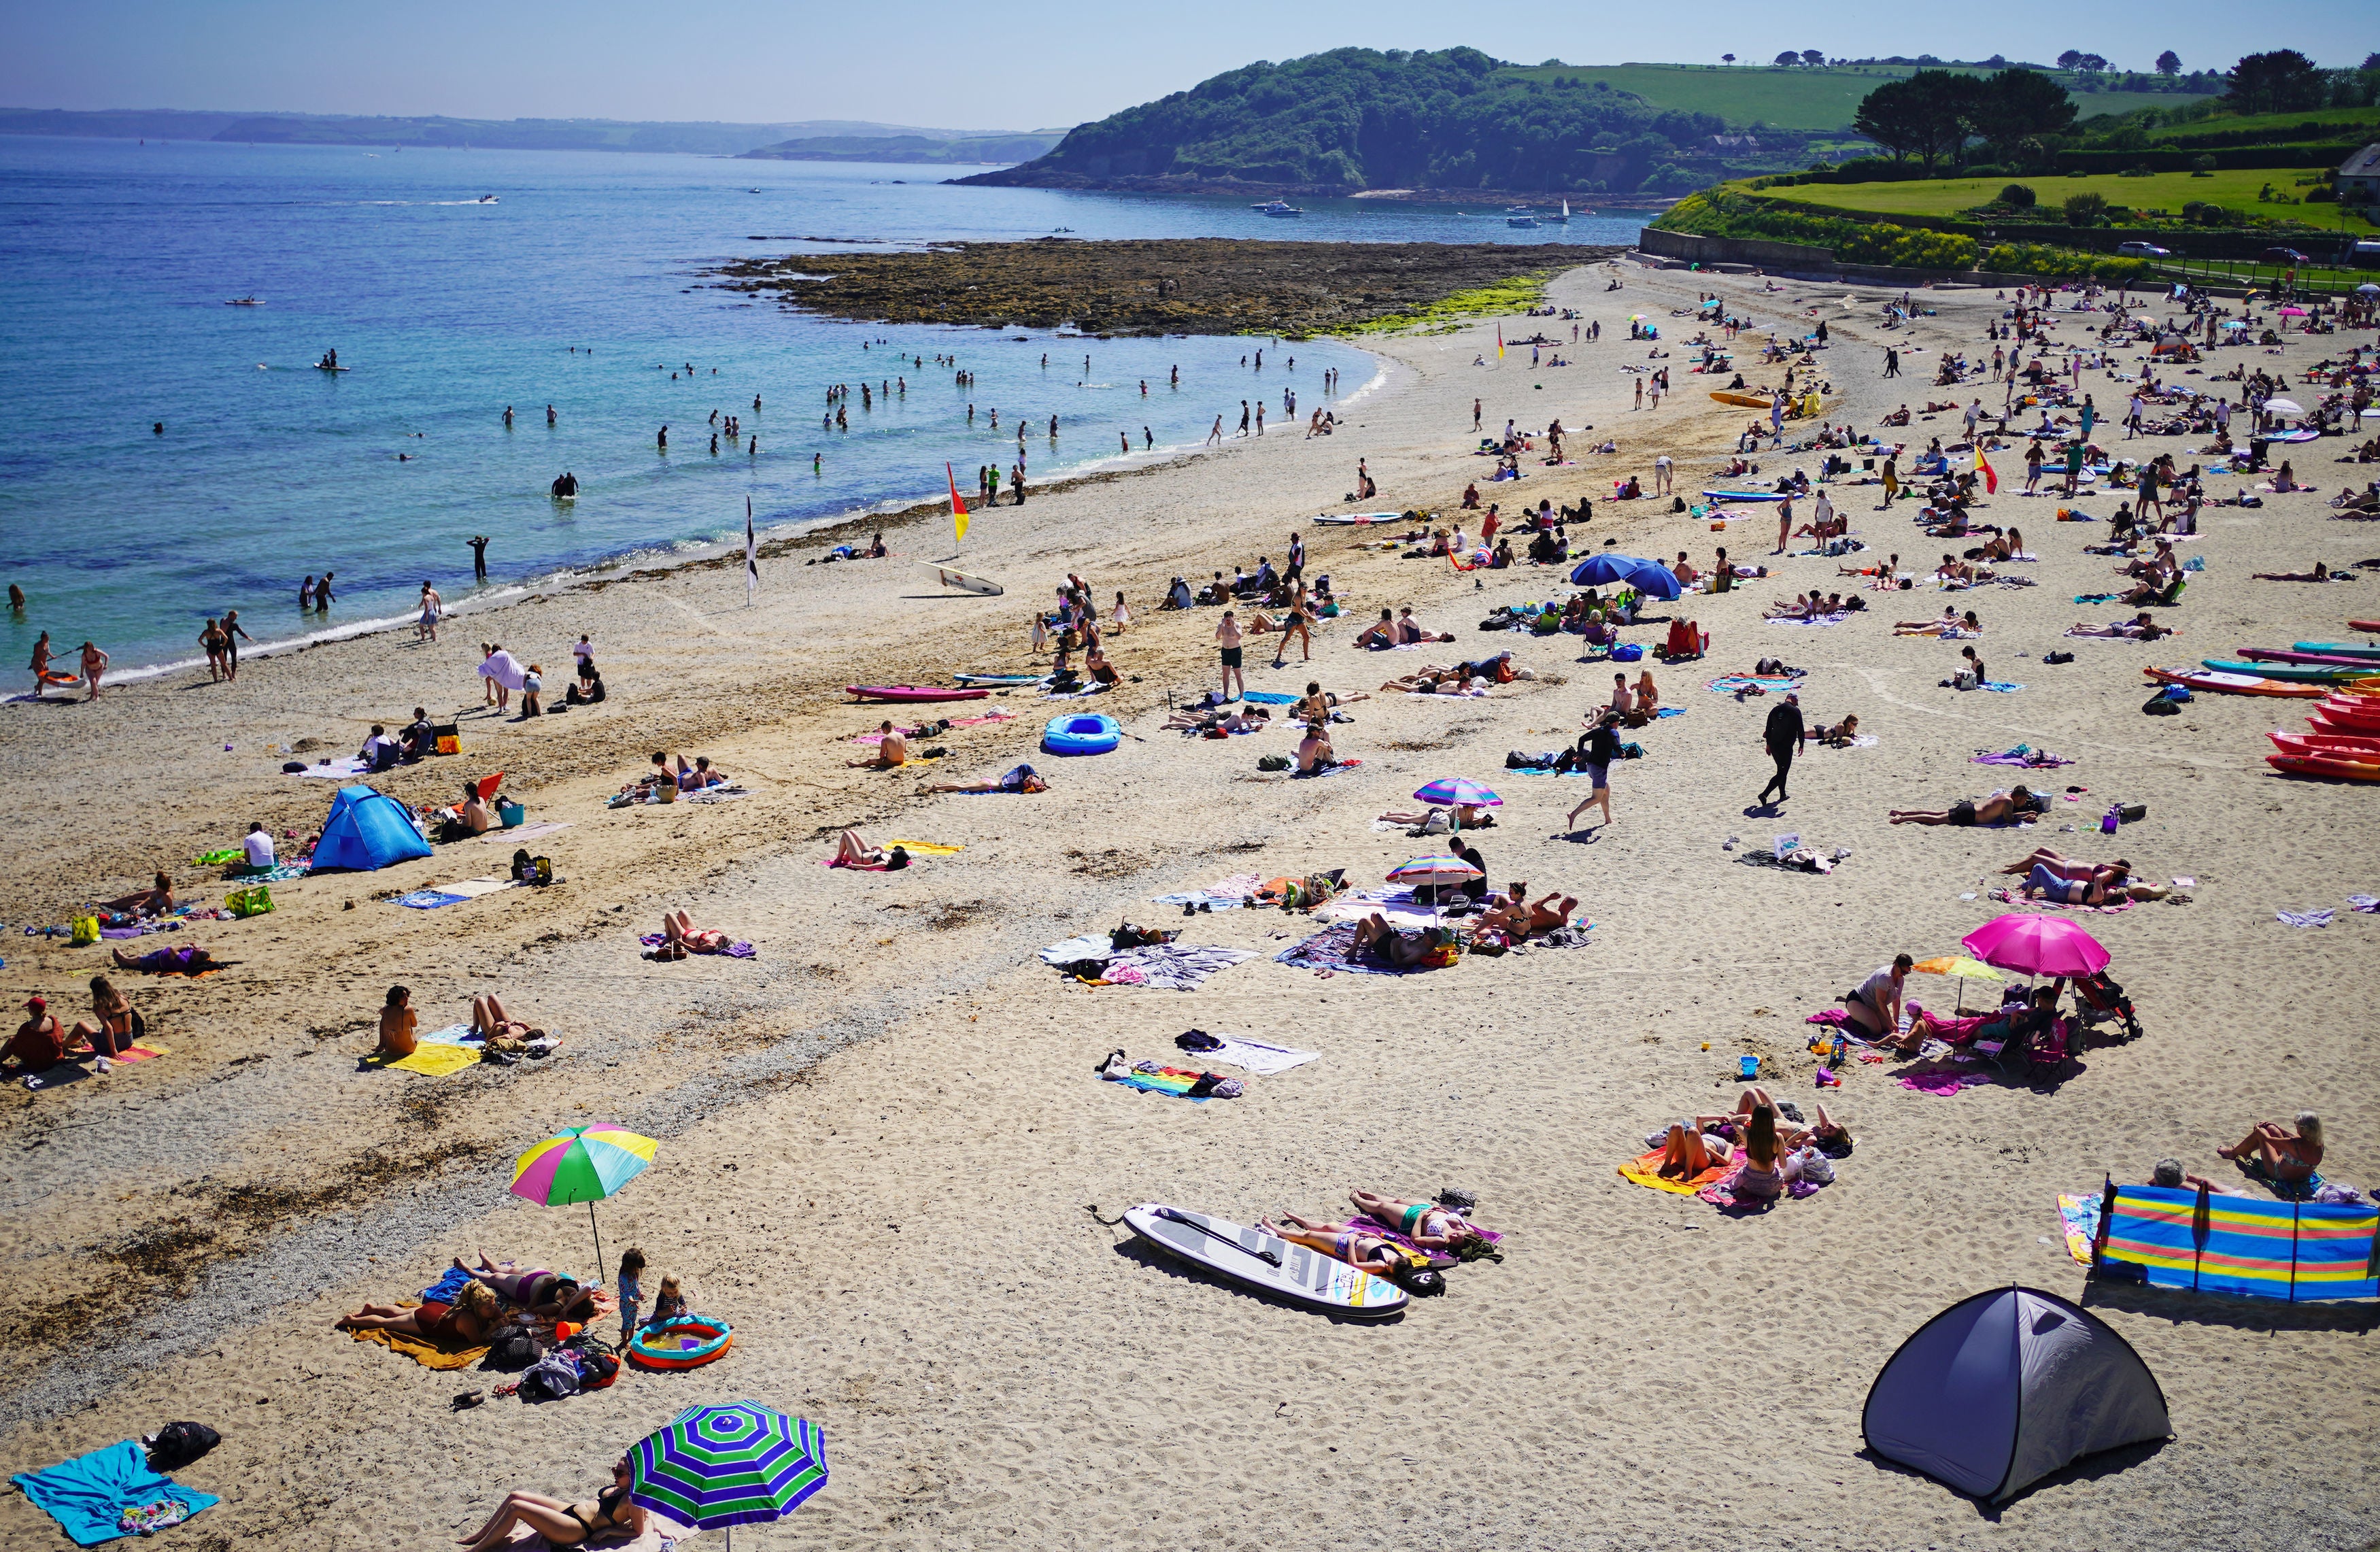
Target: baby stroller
(2100,998)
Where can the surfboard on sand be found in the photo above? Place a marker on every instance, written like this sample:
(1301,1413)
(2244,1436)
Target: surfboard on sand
(1749,401)
(1743,495)
(964,582)
(2230,684)
(1358,519)
(913,692)
(1241,1254)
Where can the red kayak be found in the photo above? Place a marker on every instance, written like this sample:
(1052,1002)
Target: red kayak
(913,692)
(2343,727)
(2337,769)
(2373,625)
(2328,745)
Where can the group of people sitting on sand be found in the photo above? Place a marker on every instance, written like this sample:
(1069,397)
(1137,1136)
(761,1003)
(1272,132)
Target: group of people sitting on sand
(1398,628)
(42,1040)
(1766,1143)
(665,781)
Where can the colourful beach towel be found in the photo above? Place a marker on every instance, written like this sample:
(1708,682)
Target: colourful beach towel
(1326,770)
(1331,949)
(1223,894)
(1771,683)
(2023,756)
(219,859)
(1389,1232)
(1165,1080)
(1834,619)
(110,1493)
(1941,1081)
(2078,1219)
(2002,686)
(429,900)
(280,872)
(1269,697)
(925,848)
(1646,1171)
(426,1354)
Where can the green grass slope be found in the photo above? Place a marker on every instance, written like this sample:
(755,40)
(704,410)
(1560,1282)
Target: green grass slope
(1799,97)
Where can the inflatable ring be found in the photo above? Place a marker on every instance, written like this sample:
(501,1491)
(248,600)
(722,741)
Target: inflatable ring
(1081,735)
(660,1345)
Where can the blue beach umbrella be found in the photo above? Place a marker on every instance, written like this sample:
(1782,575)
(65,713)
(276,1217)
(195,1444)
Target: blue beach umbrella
(1649,577)
(737,1464)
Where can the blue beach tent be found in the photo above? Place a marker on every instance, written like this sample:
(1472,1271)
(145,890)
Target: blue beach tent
(2002,1388)
(367,832)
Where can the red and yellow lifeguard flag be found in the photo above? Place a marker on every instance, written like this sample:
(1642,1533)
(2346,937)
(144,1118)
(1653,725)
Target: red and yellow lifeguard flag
(958,507)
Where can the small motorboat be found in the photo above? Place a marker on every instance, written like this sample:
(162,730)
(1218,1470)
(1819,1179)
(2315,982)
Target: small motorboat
(242,301)
(1276,208)
(1520,215)
(491,198)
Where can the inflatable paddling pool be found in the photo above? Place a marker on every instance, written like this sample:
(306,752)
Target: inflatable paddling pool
(913,692)
(1744,495)
(1081,734)
(687,1342)
(2229,683)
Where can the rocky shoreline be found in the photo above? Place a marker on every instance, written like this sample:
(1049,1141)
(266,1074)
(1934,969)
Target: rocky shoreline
(1203,285)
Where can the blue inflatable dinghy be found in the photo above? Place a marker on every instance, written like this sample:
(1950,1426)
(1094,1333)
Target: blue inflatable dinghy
(1081,734)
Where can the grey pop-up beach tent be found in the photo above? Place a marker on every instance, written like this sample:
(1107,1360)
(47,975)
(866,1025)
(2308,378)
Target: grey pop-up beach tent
(2002,1388)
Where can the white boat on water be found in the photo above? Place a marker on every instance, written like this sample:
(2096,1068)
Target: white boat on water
(1277,207)
(1563,219)
(485,200)
(1520,215)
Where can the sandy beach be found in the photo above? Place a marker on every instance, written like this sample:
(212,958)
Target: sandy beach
(884,1157)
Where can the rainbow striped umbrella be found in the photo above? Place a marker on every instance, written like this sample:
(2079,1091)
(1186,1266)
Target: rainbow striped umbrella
(1454,791)
(584,1164)
(1432,871)
(738,1464)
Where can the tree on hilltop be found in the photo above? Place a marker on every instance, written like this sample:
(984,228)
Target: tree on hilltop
(1812,57)
(2168,64)
(2281,81)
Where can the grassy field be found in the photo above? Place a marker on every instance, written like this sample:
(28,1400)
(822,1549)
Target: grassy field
(2166,191)
(2346,122)
(1796,99)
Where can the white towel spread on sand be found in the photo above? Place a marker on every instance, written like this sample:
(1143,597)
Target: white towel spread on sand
(1258,1056)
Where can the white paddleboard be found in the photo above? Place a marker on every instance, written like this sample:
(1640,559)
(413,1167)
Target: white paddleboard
(1260,1261)
(1358,519)
(964,582)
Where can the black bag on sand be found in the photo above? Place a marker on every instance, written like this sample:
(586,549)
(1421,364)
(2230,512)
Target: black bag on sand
(178,1444)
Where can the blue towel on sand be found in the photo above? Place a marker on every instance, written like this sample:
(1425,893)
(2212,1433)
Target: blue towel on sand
(1269,697)
(86,1495)
(447,1289)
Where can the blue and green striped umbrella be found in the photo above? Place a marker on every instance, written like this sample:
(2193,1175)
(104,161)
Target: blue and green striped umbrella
(739,1464)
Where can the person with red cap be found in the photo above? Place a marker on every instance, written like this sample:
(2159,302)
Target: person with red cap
(37,1045)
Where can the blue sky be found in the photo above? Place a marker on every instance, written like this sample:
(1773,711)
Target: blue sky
(979,65)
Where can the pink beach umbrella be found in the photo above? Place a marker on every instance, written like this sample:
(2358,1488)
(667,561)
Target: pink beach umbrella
(2038,945)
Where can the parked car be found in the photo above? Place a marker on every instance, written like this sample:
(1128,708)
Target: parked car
(2288,257)
(2143,250)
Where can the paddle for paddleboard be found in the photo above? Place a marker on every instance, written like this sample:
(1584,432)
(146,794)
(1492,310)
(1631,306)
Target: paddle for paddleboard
(1172,1215)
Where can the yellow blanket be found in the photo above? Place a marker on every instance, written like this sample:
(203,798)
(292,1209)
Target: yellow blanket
(1647,1172)
(925,848)
(430,1355)
(434,1061)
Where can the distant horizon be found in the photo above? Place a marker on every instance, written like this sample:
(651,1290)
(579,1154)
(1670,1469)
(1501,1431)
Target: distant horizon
(849,125)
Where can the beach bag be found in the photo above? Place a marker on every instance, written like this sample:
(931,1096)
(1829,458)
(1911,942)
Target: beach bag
(86,931)
(2159,705)
(253,901)
(1627,652)
(178,1444)
(511,814)
(447,738)
(596,1371)
(540,872)
(1273,762)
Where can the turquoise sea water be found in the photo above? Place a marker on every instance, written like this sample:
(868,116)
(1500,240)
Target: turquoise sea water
(116,260)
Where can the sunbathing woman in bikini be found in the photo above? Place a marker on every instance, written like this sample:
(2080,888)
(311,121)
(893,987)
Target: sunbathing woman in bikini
(2141,628)
(1820,1133)
(1382,944)
(152,902)
(1425,1223)
(1988,811)
(2044,884)
(1366,1252)
(1841,734)
(489,1021)
(1688,1151)
(471,1316)
(562,1524)
(680,936)
(2321,573)
(1800,609)
(1951,624)
(2065,867)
